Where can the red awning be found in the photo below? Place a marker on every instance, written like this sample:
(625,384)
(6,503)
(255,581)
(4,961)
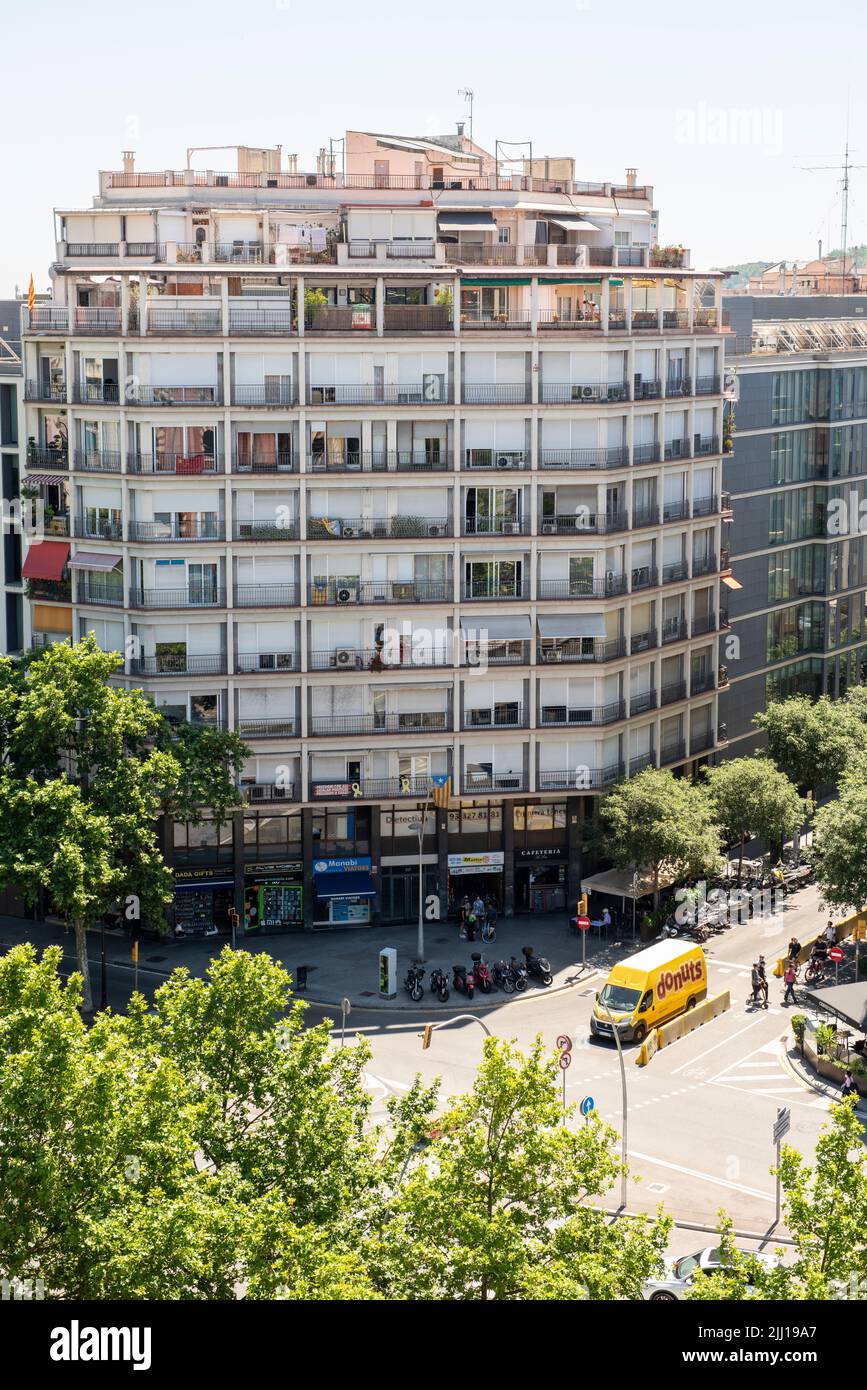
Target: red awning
(46,560)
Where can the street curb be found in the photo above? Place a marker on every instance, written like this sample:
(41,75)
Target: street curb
(493,1001)
(819,1088)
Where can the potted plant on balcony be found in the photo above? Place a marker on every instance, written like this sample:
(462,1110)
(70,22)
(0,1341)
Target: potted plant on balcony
(314,301)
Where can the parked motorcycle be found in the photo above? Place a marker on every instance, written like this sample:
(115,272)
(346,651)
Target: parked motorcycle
(412,984)
(481,973)
(518,972)
(502,976)
(439,984)
(537,966)
(462,982)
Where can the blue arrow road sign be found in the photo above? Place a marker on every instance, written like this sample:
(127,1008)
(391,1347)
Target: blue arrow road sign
(587,1104)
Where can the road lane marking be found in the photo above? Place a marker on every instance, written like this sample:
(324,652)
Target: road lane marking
(705,1177)
(722,1043)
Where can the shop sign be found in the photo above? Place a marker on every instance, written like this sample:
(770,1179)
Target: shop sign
(329,789)
(341,866)
(277,867)
(208,875)
(489,862)
(542,855)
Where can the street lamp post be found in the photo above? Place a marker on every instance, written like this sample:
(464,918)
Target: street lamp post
(624,1104)
(102,967)
(634,895)
(419,945)
(430,1028)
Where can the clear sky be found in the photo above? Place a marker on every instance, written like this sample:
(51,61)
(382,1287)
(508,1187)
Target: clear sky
(717,105)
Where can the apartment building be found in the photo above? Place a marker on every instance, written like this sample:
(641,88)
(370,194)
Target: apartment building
(406,470)
(12,633)
(797,478)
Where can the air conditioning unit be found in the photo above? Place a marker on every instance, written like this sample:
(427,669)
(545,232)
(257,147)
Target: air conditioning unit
(553,654)
(436,530)
(588,393)
(347,532)
(284,661)
(345,658)
(549,528)
(511,528)
(345,594)
(503,461)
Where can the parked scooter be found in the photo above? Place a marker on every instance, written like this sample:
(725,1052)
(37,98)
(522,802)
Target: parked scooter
(439,984)
(481,973)
(412,984)
(462,982)
(537,966)
(502,976)
(518,971)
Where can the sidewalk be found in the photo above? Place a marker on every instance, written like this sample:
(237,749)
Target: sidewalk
(345,963)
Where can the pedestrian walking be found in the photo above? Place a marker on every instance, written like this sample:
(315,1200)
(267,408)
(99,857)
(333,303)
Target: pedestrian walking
(794,949)
(764,979)
(831,933)
(848,1088)
(463,914)
(790,976)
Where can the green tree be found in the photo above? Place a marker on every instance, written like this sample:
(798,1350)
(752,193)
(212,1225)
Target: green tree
(839,849)
(497,1206)
(812,740)
(825,1206)
(656,821)
(750,797)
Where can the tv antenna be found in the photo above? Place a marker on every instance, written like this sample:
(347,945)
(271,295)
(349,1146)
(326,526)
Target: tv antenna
(845,169)
(469,96)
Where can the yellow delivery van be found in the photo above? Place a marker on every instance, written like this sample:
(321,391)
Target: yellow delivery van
(650,988)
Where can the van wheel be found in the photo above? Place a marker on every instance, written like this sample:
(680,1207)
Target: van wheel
(639,1032)
(690,1003)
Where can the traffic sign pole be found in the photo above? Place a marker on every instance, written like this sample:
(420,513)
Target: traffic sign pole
(564,1061)
(782,1125)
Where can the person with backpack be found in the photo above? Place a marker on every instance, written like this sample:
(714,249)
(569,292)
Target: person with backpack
(790,975)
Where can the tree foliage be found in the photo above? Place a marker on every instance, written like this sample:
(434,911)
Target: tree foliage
(839,849)
(813,740)
(656,820)
(750,797)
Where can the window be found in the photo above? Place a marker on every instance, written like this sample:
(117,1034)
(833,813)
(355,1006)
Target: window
(621,238)
(504,235)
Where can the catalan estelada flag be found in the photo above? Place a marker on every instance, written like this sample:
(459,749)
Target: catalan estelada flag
(441,789)
(31,296)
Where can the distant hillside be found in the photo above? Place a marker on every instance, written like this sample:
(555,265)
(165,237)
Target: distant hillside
(738,275)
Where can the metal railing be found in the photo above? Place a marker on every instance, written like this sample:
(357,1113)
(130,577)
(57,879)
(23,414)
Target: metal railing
(495,393)
(190,529)
(49,318)
(250,663)
(268,463)
(261,792)
(498,717)
(96,392)
(432,392)
(378,591)
(137,394)
(280,393)
(178,664)
(480,589)
(494,652)
(498,459)
(645,453)
(45,391)
(475,783)
(675,511)
(707,386)
(675,572)
(566,716)
(203,596)
(582,588)
(584,458)
(375,659)
(417,318)
(642,703)
(258,530)
(495,526)
(275,727)
(699,742)
(587,522)
(156,249)
(54,590)
(175,465)
(265,595)
(582,779)
(643,642)
(370,788)
(704,624)
(471,321)
(386,528)
(385,461)
(96,528)
(167,321)
(672,753)
(343,319)
(586,393)
(97,319)
(674,630)
(706,444)
(578,649)
(47,458)
(644,577)
(578,324)
(671,693)
(677,449)
(92,248)
(262,322)
(645,516)
(239,252)
(329,725)
(92,591)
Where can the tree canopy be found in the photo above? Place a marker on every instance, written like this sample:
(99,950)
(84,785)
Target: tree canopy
(812,740)
(656,820)
(750,797)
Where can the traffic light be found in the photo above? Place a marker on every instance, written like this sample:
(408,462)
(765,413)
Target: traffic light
(582,905)
(427,1033)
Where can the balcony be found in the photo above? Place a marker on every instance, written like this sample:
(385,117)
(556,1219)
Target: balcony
(608,587)
(707,386)
(704,624)
(95,592)
(706,444)
(584,523)
(265,530)
(497,459)
(643,642)
(645,516)
(188,529)
(495,526)
(100,319)
(352,591)
(266,663)
(585,779)
(496,652)
(675,318)
(53,392)
(706,320)
(417,318)
(391,461)
(96,392)
(674,630)
(480,253)
(322,528)
(645,321)
(278,393)
(178,664)
(431,392)
(701,682)
(645,453)
(371,788)
(678,386)
(192,597)
(584,458)
(55,459)
(97,461)
(506,716)
(332,725)
(351,319)
(144,250)
(50,590)
(481,783)
(98,528)
(644,577)
(642,703)
(495,393)
(675,573)
(172,395)
(677,449)
(492,322)
(239,252)
(261,323)
(647,389)
(175,465)
(92,249)
(578,324)
(561,715)
(286,727)
(177,322)
(672,753)
(259,793)
(676,511)
(583,649)
(583,393)
(265,596)
(480,589)
(374,659)
(705,506)
(263,464)
(49,318)
(704,564)
(671,693)
(699,743)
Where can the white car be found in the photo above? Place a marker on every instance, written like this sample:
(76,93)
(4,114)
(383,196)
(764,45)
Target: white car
(680,1274)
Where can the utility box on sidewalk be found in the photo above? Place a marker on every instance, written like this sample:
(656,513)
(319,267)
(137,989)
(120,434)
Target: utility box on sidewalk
(388,973)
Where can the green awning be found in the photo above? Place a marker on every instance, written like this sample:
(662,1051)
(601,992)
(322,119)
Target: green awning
(476,283)
(578,280)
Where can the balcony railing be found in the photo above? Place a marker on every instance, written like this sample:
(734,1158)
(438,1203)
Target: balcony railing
(92,591)
(56,459)
(705,506)
(205,596)
(707,386)
(585,779)
(495,526)
(96,392)
(374,659)
(49,318)
(645,516)
(351,591)
(429,721)
(265,595)
(678,386)
(97,460)
(645,453)
(266,792)
(498,717)
(698,743)
(98,319)
(495,393)
(476,783)
(252,663)
(178,664)
(579,649)
(579,324)
(642,703)
(643,641)
(704,624)
(190,529)
(676,511)
(480,589)
(154,249)
(433,391)
(385,461)
(52,391)
(99,528)
(707,444)
(471,321)
(239,252)
(647,389)
(674,630)
(583,393)
(671,693)
(584,458)
(672,753)
(495,652)
(261,322)
(287,530)
(351,319)
(563,715)
(417,318)
(175,465)
(281,393)
(704,564)
(488,253)
(675,318)
(500,459)
(54,590)
(644,577)
(275,727)
(702,681)
(582,588)
(388,528)
(193,321)
(677,449)
(263,463)
(172,395)
(675,572)
(588,522)
(370,788)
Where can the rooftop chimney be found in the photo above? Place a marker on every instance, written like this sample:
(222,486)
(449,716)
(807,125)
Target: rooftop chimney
(461,129)
(129,161)
(631,178)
